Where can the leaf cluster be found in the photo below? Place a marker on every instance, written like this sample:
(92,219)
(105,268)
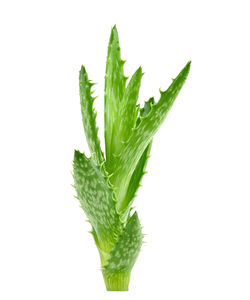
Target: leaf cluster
(106,184)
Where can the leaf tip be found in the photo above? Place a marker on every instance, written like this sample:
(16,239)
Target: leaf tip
(83,71)
(187,67)
(114,34)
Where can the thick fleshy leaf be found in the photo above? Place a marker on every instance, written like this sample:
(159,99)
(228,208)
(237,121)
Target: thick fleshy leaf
(115,83)
(129,109)
(89,116)
(126,249)
(143,134)
(125,118)
(97,200)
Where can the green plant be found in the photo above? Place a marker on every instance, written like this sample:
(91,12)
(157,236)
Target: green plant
(106,185)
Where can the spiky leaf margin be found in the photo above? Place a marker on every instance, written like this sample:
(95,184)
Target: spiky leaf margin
(89,116)
(97,200)
(143,134)
(126,249)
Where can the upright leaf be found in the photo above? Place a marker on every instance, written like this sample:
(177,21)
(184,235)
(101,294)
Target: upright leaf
(115,83)
(89,116)
(142,135)
(129,111)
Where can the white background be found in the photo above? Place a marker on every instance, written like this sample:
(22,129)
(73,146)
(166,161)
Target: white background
(194,203)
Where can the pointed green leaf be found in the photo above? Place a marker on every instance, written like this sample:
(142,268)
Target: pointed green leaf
(97,200)
(115,83)
(142,135)
(129,111)
(126,117)
(126,249)
(89,116)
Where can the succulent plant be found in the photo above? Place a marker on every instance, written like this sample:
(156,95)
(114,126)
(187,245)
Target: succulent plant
(106,184)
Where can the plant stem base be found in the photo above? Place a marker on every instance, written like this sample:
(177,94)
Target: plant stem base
(117,281)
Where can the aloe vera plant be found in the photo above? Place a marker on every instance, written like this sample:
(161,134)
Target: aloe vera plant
(106,184)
